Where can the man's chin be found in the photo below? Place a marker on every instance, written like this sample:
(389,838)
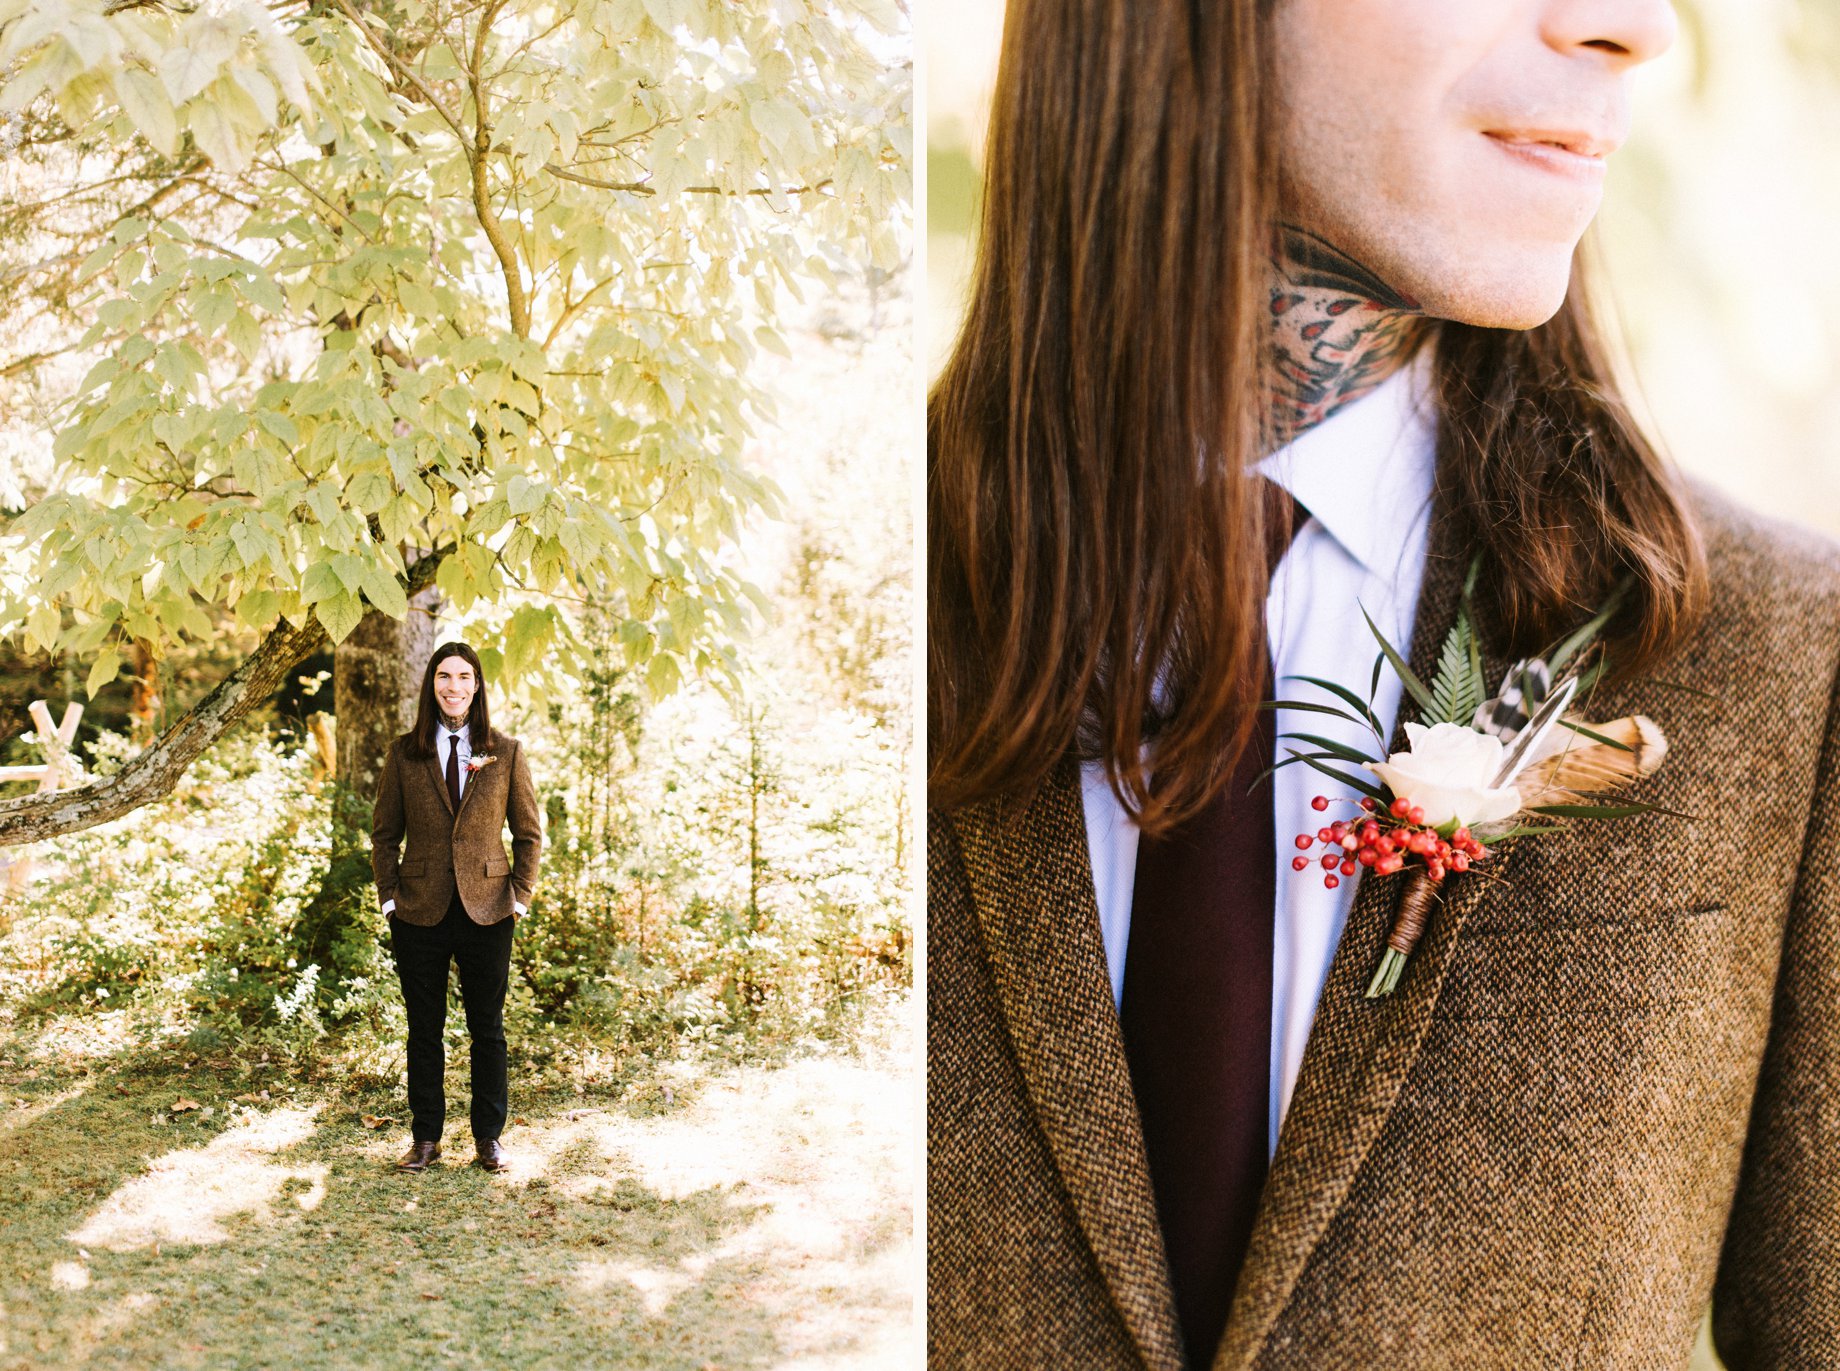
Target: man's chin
(1508,300)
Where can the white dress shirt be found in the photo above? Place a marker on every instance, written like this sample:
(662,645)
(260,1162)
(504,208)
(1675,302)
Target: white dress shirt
(444,740)
(1365,474)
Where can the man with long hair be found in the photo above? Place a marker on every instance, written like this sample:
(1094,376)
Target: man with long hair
(1279,322)
(451,786)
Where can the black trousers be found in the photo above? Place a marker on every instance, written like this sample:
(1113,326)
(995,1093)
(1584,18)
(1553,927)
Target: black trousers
(483,955)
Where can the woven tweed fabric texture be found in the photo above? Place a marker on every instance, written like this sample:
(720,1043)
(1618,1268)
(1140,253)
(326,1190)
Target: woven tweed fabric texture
(1607,1091)
(445,849)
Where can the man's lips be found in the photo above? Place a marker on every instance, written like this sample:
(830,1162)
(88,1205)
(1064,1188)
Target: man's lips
(1564,150)
(1582,142)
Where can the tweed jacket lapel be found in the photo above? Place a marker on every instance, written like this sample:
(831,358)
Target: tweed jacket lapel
(433,766)
(471,783)
(1031,880)
(1359,1050)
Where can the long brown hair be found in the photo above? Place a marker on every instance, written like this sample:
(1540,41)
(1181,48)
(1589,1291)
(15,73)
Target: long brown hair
(1094,575)
(419,740)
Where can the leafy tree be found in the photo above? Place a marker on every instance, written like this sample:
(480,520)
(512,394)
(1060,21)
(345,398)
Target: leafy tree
(334,301)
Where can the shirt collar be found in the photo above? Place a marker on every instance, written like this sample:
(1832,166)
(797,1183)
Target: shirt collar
(1365,473)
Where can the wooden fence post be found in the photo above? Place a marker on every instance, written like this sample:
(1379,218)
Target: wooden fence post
(326,764)
(57,771)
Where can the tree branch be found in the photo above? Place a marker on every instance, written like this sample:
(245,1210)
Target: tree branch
(31,360)
(515,298)
(641,188)
(153,774)
(571,308)
(403,69)
(184,176)
(86,188)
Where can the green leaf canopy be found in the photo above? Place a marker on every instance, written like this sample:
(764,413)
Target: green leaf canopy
(333,289)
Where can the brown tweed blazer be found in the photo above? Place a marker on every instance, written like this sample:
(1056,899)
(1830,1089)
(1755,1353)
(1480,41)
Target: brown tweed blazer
(1607,1090)
(446,849)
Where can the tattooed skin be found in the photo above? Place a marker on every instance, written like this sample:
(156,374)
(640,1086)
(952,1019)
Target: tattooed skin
(1337,331)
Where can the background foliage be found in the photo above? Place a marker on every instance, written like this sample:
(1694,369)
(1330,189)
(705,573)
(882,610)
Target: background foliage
(310,293)
(724,871)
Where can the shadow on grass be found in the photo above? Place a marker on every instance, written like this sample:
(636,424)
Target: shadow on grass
(277,1234)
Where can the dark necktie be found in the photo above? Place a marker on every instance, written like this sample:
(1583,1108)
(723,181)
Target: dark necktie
(1196,1014)
(453,770)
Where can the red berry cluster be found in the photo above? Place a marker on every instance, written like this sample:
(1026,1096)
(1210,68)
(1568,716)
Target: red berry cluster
(1384,841)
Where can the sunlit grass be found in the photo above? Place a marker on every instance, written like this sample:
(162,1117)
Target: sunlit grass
(681,1217)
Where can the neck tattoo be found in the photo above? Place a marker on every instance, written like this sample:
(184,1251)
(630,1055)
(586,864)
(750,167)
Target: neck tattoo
(1337,332)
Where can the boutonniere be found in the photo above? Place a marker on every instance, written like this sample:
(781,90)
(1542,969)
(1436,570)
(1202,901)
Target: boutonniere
(1476,772)
(478,763)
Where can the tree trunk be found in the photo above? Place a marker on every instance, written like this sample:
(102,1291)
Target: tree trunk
(144,710)
(376,679)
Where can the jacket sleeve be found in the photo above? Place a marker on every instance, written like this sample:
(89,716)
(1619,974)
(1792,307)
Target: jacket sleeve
(387,825)
(1776,1303)
(525,819)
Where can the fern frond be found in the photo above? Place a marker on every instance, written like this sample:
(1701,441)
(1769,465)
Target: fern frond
(1457,691)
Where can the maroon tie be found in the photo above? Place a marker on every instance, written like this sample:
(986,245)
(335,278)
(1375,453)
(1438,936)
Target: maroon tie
(1196,1013)
(453,770)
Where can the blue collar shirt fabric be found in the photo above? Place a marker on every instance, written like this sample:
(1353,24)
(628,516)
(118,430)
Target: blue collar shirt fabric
(1365,474)
(444,739)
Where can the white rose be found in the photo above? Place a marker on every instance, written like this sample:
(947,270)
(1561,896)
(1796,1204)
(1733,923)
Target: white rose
(1446,772)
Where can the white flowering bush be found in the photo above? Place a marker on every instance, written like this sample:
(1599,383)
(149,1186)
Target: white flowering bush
(715,863)
(191,899)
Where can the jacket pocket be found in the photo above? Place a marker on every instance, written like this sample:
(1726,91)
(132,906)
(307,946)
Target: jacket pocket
(498,866)
(1602,969)
(412,869)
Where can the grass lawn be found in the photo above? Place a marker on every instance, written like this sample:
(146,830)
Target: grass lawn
(746,1216)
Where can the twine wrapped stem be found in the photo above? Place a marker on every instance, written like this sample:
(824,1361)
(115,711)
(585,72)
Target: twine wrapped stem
(1415,903)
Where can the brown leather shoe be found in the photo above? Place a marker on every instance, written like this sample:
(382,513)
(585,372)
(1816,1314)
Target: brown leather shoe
(491,1155)
(419,1155)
